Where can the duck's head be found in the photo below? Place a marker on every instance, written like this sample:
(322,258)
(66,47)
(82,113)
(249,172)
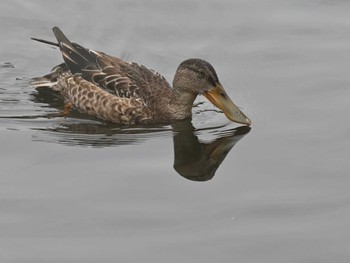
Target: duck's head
(199,77)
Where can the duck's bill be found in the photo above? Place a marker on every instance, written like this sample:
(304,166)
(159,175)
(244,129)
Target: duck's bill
(220,99)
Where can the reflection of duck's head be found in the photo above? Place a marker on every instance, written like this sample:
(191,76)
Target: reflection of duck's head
(197,76)
(198,161)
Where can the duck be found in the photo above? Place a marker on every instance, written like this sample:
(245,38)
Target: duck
(122,92)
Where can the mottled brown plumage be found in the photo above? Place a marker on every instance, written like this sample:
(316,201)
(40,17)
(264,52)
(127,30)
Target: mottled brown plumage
(125,92)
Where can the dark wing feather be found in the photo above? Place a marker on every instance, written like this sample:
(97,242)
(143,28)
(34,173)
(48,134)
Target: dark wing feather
(129,80)
(113,81)
(75,56)
(107,72)
(114,75)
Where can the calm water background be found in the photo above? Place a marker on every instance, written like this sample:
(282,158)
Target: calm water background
(78,190)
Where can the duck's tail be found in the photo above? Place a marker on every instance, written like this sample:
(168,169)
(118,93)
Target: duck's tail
(45,41)
(49,80)
(75,56)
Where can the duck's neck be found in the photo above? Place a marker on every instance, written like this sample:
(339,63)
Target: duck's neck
(181,103)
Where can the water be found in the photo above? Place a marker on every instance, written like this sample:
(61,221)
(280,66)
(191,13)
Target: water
(80,190)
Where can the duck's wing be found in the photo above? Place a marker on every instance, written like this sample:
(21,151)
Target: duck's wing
(114,75)
(129,80)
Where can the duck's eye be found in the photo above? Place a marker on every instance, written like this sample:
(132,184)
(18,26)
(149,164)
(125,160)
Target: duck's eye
(201,73)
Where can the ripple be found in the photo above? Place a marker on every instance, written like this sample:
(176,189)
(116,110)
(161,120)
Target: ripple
(7,65)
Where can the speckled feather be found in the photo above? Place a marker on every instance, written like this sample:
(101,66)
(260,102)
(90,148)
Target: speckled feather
(93,100)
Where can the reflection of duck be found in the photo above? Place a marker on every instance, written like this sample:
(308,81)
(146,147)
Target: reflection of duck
(198,161)
(193,159)
(114,90)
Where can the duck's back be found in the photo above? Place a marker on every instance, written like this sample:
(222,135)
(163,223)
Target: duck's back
(128,80)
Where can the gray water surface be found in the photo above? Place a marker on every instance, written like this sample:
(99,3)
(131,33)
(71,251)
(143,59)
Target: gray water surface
(77,189)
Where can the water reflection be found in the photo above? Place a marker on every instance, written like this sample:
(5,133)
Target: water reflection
(195,159)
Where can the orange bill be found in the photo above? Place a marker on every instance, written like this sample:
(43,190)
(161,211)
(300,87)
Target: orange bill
(220,99)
